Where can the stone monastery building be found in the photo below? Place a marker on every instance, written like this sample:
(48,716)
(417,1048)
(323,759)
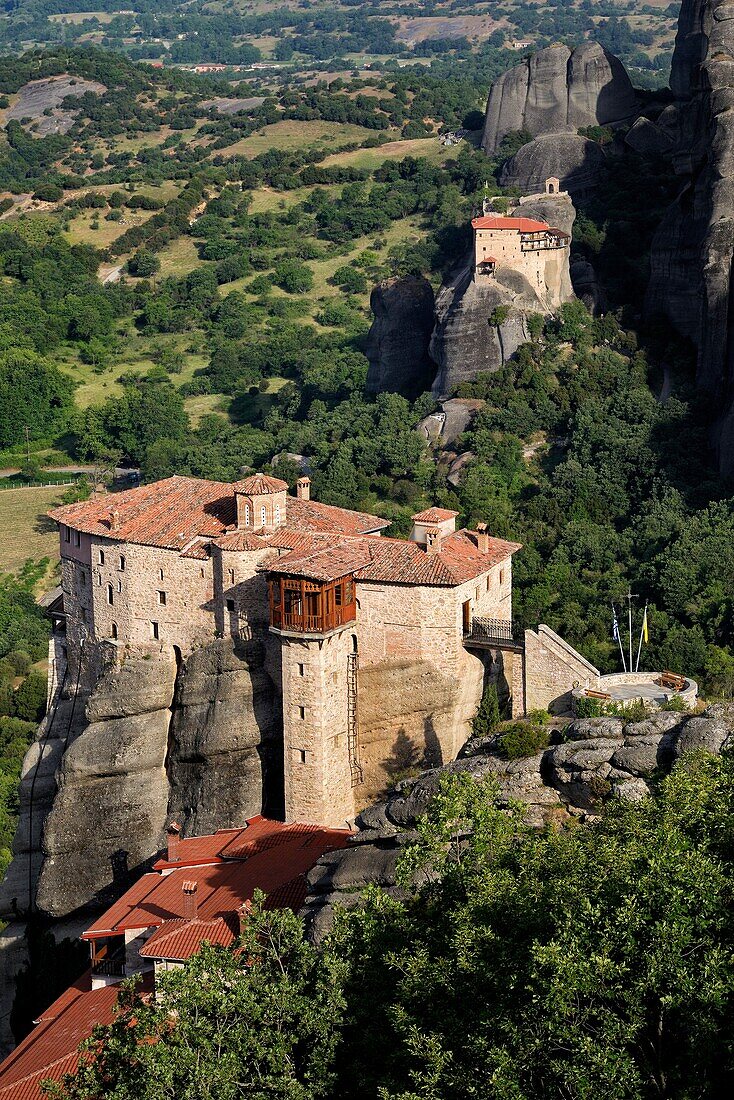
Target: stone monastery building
(364,635)
(532,247)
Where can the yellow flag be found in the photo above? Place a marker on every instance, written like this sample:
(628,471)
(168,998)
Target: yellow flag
(645,634)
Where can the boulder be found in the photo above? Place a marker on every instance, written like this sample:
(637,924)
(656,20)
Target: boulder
(587,287)
(581,771)
(648,139)
(457,467)
(398,341)
(578,162)
(558,89)
(592,729)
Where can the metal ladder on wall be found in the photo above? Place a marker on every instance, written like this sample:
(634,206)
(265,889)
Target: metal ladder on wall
(355,768)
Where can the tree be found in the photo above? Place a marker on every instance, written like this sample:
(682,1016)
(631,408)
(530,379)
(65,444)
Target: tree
(487,717)
(33,393)
(293,277)
(583,963)
(143,263)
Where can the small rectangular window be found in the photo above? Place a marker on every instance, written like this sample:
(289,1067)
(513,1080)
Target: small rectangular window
(160,574)
(119,586)
(301,712)
(154,633)
(84,614)
(77,539)
(300,670)
(299,755)
(502,576)
(476,595)
(83,578)
(489,583)
(67,534)
(121,565)
(162,598)
(101,557)
(110,594)
(230,605)
(231,576)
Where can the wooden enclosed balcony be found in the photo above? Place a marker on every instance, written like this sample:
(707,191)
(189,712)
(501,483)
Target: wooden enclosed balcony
(309,607)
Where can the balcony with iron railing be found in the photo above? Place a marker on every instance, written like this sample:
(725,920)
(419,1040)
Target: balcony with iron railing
(500,633)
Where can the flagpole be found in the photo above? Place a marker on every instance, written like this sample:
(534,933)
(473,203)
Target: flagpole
(619,636)
(629,612)
(642,631)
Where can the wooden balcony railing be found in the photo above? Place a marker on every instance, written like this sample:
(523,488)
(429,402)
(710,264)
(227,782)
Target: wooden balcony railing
(306,623)
(110,968)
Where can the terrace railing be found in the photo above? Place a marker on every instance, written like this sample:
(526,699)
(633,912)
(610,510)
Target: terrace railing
(485,631)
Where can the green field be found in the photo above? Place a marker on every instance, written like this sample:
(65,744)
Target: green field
(25,530)
(293,134)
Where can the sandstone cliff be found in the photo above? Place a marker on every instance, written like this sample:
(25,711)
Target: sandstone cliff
(578,163)
(692,253)
(398,341)
(470,336)
(601,758)
(558,89)
(201,741)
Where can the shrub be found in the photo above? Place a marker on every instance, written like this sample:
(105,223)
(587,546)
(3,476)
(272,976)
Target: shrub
(487,717)
(293,277)
(523,739)
(587,708)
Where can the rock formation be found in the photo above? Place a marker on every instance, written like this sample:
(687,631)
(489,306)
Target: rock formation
(201,742)
(578,163)
(692,253)
(397,345)
(599,759)
(558,89)
(480,325)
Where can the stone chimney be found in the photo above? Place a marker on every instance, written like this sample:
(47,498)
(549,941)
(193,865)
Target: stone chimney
(190,903)
(173,832)
(114,520)
(482,538)
(303,488)
(433,541)
(244,914)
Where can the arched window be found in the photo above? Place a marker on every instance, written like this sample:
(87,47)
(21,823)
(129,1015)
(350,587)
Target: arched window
(264,515)
(110,594)
(114,632)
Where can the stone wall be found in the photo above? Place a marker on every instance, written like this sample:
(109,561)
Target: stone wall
(318,785)
(552,669)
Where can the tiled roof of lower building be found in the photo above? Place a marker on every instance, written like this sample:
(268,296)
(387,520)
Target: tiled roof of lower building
(180,939)
(222,886)
(397,561)
(50,1050)
(174,512)
(434,515)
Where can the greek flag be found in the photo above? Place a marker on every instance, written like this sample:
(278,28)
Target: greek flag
(615,624)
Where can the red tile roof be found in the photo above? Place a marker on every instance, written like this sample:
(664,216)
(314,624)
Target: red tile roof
(522,225)
(260,485)
(180,511)
(488,260)
(180,939)
(396,561)
(222,886)
(434,515)
(259,835)
(50,1050)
